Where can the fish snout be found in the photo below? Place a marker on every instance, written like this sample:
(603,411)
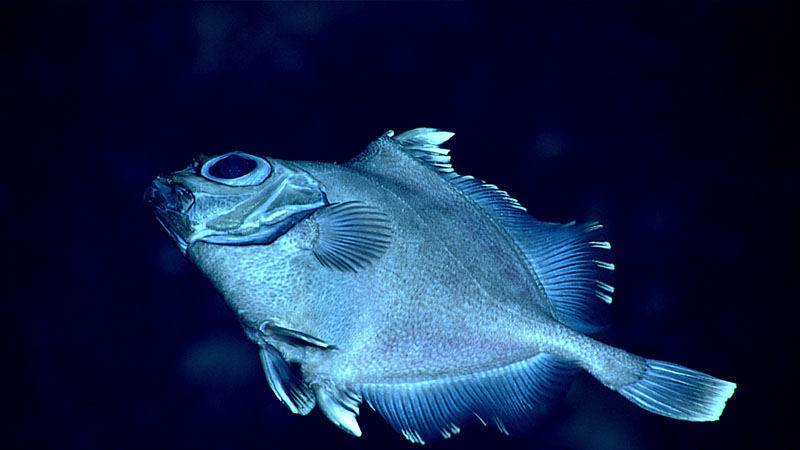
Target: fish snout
(165,194)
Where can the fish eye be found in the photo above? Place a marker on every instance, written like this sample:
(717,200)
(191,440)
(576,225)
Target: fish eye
(232,166)
(236,169)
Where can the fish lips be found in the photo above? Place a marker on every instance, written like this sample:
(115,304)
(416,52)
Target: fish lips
(167,195)
(170,201)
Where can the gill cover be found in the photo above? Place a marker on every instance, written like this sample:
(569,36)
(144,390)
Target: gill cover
(275,196)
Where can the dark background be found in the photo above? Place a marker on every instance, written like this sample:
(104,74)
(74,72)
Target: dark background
(674,125)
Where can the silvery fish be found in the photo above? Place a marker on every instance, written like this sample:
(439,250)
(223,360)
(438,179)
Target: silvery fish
(392,280)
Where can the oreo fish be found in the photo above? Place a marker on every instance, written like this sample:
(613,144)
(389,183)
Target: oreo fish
(392,280)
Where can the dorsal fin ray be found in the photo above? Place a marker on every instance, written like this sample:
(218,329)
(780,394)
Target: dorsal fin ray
(571,261)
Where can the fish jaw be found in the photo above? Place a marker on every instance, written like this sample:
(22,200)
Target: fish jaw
(170,201)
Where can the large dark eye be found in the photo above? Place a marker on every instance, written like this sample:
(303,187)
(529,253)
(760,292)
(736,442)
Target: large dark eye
(232,166)
(236,169)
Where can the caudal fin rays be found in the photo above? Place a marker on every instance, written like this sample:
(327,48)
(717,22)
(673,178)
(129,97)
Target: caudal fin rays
(678,392)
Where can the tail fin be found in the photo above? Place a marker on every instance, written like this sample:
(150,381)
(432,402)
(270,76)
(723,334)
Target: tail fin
(680,393)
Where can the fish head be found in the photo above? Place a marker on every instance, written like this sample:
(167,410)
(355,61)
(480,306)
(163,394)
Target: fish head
(233,199)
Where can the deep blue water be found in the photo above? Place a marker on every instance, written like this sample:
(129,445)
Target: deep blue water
(674,125)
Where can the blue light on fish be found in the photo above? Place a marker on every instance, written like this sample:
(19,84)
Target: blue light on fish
(391,280)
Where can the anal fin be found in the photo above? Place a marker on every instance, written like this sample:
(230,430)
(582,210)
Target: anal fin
(506,398)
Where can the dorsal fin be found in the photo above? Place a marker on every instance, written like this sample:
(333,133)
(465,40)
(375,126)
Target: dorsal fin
(423,144)
(572,262)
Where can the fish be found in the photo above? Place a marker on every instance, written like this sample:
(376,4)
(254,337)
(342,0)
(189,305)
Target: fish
(390,280)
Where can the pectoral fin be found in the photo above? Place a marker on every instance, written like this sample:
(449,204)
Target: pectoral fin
(352,235)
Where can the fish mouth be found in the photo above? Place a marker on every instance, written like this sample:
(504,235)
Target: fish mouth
(169,202)
(167,195)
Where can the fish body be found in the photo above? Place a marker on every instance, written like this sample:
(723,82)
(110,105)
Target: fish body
(392,280)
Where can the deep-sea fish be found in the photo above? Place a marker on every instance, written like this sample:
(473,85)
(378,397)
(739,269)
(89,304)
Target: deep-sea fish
(392,280)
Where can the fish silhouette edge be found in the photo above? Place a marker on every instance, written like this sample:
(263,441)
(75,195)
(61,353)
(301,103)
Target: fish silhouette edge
(568,267)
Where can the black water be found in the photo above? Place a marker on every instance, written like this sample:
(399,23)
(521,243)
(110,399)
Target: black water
(674,125)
